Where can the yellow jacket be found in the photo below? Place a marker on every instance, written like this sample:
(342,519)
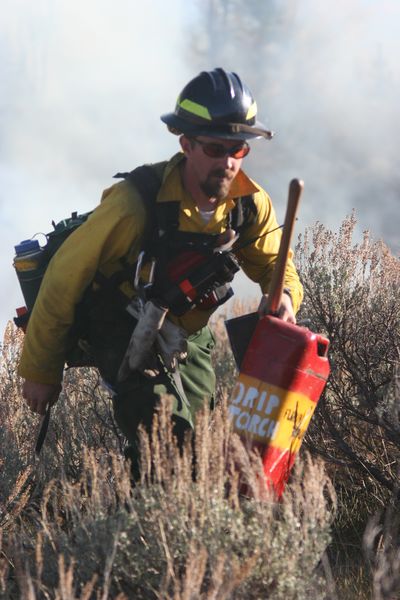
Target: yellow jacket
(115,230)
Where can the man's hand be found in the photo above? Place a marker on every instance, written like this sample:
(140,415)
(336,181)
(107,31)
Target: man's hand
(39,395)
(285,310)
(140,355)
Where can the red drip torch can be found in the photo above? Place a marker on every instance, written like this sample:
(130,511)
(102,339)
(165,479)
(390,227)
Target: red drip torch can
(282,376)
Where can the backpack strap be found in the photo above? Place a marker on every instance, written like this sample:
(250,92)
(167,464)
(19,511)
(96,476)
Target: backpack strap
(163,218)
(167,218)
(147,181)
(146,178)
(243,214)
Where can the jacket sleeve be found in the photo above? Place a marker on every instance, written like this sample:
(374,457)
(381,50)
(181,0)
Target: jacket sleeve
(112,230)
(259,257)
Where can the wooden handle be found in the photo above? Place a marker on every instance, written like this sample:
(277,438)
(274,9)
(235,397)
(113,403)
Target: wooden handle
(276,286)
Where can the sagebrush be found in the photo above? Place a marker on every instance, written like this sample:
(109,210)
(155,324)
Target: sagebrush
(74,526)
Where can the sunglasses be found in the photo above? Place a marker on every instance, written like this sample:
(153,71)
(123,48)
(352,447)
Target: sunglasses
(214,150)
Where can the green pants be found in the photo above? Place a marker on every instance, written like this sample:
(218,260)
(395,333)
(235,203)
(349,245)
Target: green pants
(136,399)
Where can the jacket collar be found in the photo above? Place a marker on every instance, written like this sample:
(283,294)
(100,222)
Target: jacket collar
(242,185)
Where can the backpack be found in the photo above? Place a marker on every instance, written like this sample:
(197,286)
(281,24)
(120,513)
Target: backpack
(31,260)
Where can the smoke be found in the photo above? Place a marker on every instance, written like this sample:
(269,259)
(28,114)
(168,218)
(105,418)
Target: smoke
(84,83)
(342,88)
(83,86)
(326,79)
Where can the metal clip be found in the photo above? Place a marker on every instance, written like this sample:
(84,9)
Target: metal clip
(144,286)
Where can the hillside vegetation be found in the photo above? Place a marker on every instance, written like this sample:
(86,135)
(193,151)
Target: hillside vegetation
(73,527)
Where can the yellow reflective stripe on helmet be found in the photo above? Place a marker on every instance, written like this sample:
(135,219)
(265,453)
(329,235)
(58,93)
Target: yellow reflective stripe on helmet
(196,109)
(251,112)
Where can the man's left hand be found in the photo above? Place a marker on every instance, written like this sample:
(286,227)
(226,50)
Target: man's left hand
(285,310)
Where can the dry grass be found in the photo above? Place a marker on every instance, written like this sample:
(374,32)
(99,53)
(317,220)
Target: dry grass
(73,527)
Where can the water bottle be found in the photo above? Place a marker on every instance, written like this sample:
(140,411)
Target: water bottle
(30,268)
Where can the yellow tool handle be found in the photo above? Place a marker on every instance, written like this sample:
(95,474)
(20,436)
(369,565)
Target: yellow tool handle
(276,286)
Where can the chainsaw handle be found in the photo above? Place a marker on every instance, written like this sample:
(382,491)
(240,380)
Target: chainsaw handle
(276,286)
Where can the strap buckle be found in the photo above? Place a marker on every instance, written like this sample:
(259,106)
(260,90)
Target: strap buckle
(138,283)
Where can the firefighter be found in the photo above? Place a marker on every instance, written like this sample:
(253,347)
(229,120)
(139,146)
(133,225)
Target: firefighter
(158,340)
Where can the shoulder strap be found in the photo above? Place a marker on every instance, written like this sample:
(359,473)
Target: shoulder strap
(243,213)
(148,179)
(164,217)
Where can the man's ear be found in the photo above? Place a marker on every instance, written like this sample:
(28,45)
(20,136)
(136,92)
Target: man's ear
(185,144)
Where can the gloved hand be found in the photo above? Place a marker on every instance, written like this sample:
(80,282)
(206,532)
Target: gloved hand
(140,349)
(171,344)
(153,335)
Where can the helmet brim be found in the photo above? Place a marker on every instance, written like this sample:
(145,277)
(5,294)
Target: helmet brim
(228,131)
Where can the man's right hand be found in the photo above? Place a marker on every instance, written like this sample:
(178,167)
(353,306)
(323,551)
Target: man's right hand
(39,395)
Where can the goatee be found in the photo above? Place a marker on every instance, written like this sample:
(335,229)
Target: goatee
(217,184)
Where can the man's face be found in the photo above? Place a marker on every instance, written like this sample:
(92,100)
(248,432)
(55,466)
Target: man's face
(211,164)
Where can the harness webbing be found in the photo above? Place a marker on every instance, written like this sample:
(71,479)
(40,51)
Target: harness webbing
(163,217)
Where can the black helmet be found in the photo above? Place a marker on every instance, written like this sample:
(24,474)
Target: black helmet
(216,104)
